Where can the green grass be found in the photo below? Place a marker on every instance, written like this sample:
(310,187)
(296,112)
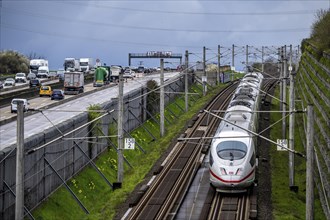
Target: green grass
(288,204)
(93,191)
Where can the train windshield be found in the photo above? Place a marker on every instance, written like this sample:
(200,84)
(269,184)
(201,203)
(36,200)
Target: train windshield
(231,150)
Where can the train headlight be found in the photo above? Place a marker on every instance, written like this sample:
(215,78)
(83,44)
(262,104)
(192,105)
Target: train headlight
(239,171)
(223,171)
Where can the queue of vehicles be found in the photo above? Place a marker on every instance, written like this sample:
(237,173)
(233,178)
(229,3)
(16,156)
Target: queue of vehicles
(72,76)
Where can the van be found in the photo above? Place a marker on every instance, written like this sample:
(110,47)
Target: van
(45,91)
(43,72)
(14,104)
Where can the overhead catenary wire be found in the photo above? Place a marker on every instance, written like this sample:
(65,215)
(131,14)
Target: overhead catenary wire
(107,24)
(256,134)
(70,132)
(208,13)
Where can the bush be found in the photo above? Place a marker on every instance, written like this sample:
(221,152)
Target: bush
(13,62)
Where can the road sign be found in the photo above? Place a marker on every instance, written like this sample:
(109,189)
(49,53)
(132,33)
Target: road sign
(129,143)
(284,143)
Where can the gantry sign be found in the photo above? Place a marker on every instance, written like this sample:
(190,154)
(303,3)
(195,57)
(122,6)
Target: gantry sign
(155,54)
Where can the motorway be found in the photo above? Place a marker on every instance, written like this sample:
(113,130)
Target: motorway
(37,123)
(36,103)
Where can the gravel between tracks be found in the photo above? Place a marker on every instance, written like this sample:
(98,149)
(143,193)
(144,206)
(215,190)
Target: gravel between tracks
(263,175)
(264,168)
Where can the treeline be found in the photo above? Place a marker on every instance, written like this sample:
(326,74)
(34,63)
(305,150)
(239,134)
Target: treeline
(320,34)
(13,62)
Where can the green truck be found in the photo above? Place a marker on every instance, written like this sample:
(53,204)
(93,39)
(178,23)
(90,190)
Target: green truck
(101,76)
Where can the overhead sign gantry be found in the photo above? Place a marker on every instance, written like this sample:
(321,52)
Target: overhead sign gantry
(155,54)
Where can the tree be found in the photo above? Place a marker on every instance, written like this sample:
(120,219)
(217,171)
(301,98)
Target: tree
(13,62)
(321,30)
(33,55)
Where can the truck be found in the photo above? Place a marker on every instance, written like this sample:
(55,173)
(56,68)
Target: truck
(36,63)
(74,83)
(115,71)
(71,64)
(101,76)
(43,72)
(86,65)
(199,66)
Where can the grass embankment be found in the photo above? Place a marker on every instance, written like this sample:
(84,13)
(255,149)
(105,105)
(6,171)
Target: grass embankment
(288,204)
(92,190)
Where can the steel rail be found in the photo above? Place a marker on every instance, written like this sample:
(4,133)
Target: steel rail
(164,211)
(169,209)
(221,207)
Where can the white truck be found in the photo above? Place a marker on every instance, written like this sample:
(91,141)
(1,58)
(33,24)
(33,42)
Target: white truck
(115,71)
(43,72)
(36,63)
(71,64)
(73,83)
(86,65)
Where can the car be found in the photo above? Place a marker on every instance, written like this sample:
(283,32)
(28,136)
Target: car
(35,82)
(128,73)
(9,82)
(14,102)
(31,76)
(52,74)
(20,77)
(60,75)
(57,94)
(140,69)
(45,91)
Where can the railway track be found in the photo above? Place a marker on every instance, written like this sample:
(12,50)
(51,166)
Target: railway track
(234,207)
(163,197)
(241,206)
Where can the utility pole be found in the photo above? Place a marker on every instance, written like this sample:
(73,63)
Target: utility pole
(162,103)
(232,61)
(281,77)
(262,59)
(247,58)
(310,164)
(284,94)
(204,72)
(186,82)
(19,208)
(232,55)
(218,72)
(120,130)
(291,124)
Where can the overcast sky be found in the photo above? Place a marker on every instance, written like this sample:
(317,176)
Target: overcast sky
(109,30)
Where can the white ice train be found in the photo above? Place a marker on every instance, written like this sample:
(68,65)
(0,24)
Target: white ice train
(232,152)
